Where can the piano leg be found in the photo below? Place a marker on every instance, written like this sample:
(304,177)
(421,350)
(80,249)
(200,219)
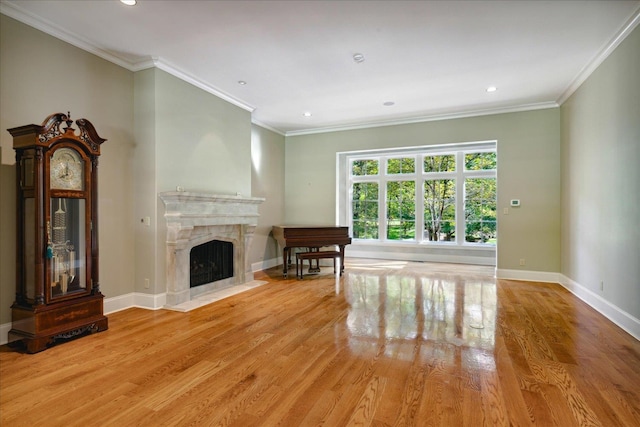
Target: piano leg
(286,261)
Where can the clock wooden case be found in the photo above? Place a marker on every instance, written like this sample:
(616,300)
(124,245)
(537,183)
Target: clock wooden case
(57,288)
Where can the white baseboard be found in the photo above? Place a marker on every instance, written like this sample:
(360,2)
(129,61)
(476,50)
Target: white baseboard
(266,264)
(406,256)
(612,312)
(4,333)
(530,276)
(134,299)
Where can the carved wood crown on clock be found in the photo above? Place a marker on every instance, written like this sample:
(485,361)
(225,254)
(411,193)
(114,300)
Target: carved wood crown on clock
(49,130)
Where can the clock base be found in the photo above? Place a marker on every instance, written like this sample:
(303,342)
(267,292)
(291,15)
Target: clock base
(40,327)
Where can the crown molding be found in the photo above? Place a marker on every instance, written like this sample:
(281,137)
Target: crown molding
(266,126)
(38,23)
(430,118)
(161,64)
(19,14)
(603,54)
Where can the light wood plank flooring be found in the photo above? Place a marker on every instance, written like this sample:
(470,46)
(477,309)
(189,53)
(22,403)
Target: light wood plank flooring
(388,344)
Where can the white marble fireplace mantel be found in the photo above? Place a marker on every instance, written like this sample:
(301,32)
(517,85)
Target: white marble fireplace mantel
(196,218)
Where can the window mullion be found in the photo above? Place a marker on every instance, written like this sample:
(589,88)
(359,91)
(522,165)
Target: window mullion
(419,179)
(460,220)
(348,199)
(382,201)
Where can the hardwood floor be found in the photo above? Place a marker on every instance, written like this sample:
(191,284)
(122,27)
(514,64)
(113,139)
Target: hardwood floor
(388,344)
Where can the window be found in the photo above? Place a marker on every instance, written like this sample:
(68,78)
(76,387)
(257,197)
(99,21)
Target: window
(365,210)
(444,195)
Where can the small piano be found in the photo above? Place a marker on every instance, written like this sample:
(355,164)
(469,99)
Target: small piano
(314,237)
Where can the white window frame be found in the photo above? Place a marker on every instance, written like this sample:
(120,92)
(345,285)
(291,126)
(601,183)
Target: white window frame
(344,205)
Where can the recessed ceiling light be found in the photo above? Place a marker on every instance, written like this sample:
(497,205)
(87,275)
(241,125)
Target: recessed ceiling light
(492,89)
(128,2)
(358,58)
(307,114)
(242,82)
(388,103)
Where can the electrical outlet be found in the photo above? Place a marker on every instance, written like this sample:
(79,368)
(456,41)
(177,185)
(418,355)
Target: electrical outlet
(521,261)
(602,285)
(505,211)
(146,283)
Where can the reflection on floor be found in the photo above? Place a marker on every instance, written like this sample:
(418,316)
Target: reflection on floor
(394,301)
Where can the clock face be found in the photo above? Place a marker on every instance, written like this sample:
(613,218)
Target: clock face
(67,170)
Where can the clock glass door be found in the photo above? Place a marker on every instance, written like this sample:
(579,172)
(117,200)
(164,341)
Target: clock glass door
(66,247)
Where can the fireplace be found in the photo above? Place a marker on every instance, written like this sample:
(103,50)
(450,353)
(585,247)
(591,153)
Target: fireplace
(210,262)
(195,219)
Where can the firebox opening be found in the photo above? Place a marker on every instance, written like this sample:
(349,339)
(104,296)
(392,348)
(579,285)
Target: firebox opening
(210,262)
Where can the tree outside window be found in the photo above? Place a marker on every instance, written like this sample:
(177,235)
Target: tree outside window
(480,199)
(365,210)
(480,210)
(364,167)
(440,198)
(365,200)
(401,210)
(440,210)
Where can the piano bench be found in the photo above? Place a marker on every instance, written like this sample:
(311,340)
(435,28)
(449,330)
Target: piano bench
(317,255)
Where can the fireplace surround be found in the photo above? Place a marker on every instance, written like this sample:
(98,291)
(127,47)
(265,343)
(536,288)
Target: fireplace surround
(196,218)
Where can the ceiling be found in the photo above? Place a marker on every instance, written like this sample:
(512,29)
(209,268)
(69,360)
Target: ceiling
(431,59)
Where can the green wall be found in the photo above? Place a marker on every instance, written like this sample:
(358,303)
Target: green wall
(203,143)
(41,75)
(200,143)
(267,180)
(601,180)
(145,187)
(574,168)
(528,169)
(162,133)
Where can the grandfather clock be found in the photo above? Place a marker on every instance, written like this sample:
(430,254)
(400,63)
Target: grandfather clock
(57,288)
